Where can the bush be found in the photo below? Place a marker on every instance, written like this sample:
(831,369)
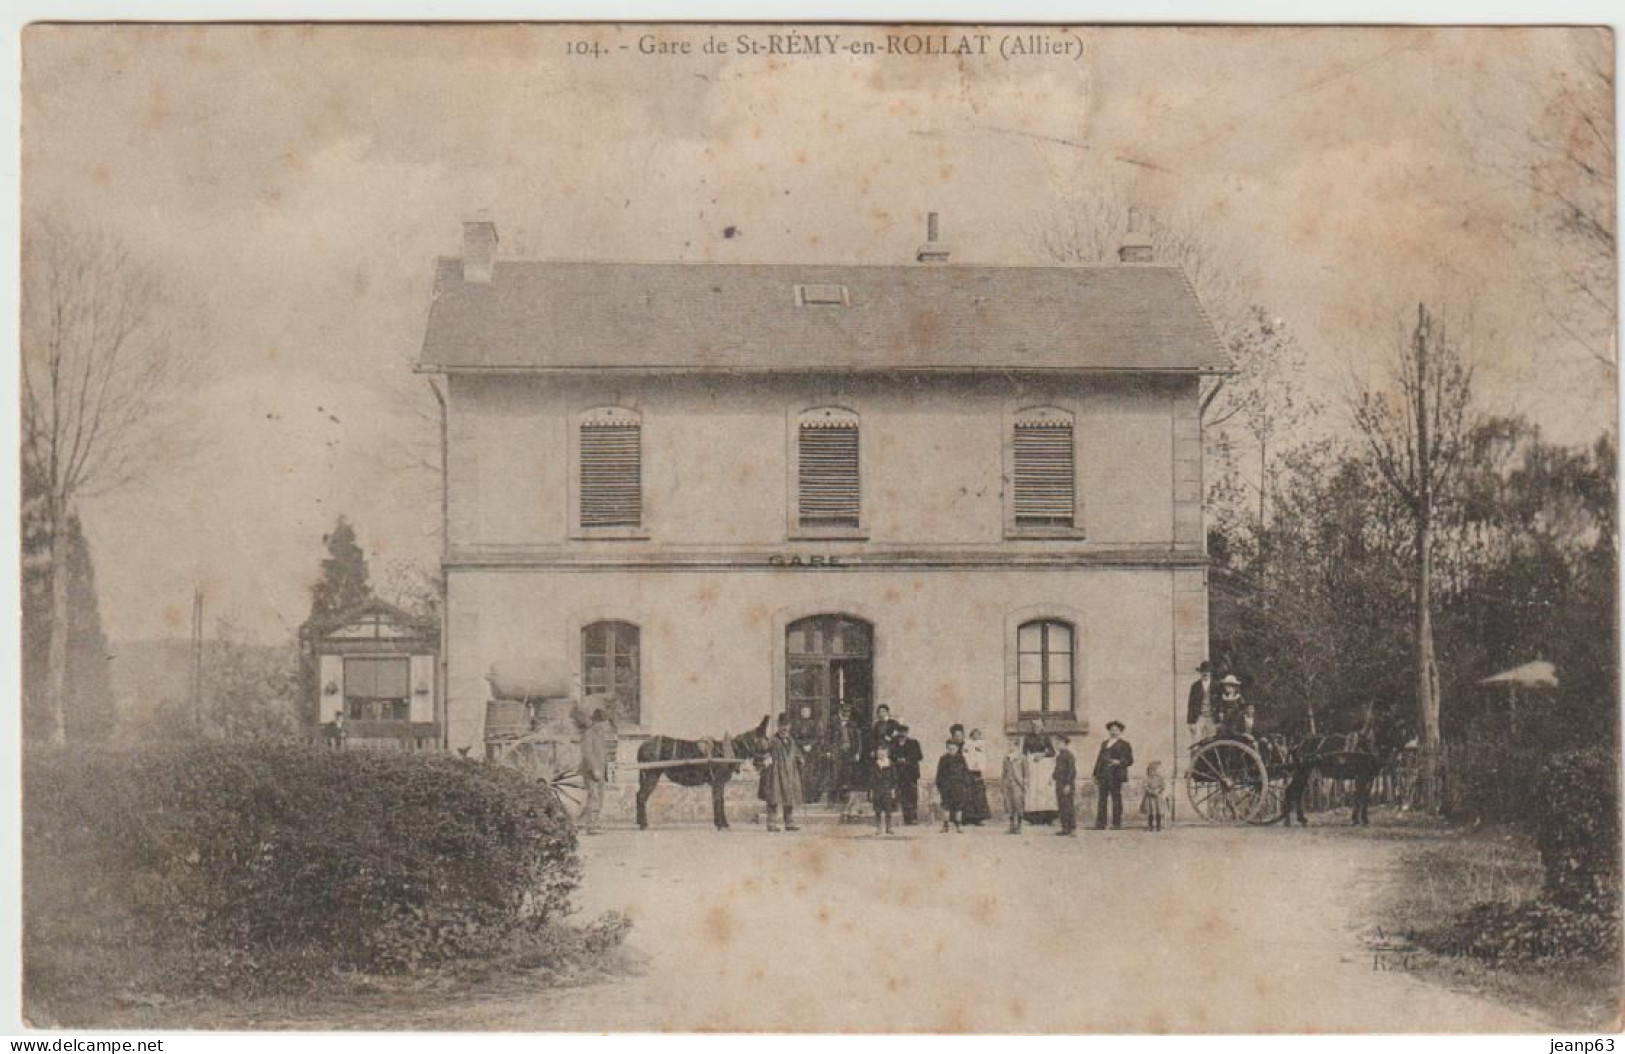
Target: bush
(1491,781)
(270,864)
(1577,830)
(1534,933)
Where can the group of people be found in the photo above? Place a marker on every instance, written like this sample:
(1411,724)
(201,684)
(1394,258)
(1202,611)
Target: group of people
(1209,713)
(1037,750)
(890,773)
(884,762)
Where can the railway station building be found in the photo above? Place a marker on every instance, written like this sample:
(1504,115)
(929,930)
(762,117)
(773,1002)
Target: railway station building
(715,492)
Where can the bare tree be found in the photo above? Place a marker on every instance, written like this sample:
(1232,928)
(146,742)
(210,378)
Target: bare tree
(1416,431)
(1556,144)
(1091,231)
(1571,166)
(97,368)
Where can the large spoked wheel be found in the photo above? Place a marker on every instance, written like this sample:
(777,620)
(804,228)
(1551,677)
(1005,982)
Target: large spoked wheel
(1229,783)
(542,763)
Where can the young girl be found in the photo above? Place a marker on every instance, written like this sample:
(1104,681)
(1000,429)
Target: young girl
(1151,804)
(953,786)
(883,789)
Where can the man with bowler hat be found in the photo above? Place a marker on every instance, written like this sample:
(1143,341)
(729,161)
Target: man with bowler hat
(1111,772)
(1199,709)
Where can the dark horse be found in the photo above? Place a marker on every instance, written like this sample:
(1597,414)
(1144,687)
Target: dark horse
(1357,756)
(657,749)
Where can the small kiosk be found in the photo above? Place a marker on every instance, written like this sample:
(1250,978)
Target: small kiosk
(377,679)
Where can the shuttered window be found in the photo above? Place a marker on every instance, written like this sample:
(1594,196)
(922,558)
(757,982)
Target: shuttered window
(377,678)
(1044,476)
(611,469)
(829,490)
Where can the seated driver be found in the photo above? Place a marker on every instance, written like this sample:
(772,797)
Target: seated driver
(1235,713)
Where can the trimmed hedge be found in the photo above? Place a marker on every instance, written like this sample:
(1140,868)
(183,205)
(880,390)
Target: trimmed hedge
(1577,831)
(243,863)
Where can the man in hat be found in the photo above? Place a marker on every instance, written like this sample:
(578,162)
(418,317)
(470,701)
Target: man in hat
(906,758)
(596,738)
(780,786)
(1199,709)
(1111,772)
(881,732)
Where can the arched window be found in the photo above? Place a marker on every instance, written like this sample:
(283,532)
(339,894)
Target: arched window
(610,667)
(828,489)
(1045,657)
(611,476)
(1043,473)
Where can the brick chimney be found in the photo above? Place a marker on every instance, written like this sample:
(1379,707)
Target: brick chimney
(479,248)
(933,251)
(1136,247)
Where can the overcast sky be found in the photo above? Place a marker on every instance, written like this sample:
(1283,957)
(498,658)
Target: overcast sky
(293,185)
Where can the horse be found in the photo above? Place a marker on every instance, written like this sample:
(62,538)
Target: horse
(1360,757)
(747,747)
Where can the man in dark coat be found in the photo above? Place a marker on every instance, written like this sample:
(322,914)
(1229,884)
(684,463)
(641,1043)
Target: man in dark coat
(845,749)
(1199,707)
(1066,787)
(780,786)
(1111,772)
(907,756)
(883,731)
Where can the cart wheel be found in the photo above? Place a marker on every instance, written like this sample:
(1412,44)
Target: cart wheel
(540,762)
(1229,782)
(1270,808)
(569,790)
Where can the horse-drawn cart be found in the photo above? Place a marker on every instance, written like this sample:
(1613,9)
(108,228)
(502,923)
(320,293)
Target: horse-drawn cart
(1240,778)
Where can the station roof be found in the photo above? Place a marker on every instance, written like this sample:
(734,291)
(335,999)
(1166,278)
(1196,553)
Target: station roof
(544,315)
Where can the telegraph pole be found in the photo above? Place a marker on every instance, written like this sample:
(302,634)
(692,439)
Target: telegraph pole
(197,659)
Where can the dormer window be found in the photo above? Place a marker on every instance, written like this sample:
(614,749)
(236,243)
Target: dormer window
(822,295)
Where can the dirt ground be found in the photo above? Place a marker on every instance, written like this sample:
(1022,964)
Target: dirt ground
(1198,929)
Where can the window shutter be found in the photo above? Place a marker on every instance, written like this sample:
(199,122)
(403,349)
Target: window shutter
(1044,488)
(377,678)
(611,474)
(829,475)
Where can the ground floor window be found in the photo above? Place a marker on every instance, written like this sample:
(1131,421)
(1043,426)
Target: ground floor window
(610,666)
(1044,679)
(377,688)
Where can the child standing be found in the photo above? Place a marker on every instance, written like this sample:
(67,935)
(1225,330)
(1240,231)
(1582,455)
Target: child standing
(953,785)
(1151,803)
(883,788)
(1017,772)
(1066,787)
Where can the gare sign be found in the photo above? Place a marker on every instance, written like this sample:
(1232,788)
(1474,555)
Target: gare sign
(797,560)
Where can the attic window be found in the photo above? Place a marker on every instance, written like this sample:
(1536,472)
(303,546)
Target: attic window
(822,293)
